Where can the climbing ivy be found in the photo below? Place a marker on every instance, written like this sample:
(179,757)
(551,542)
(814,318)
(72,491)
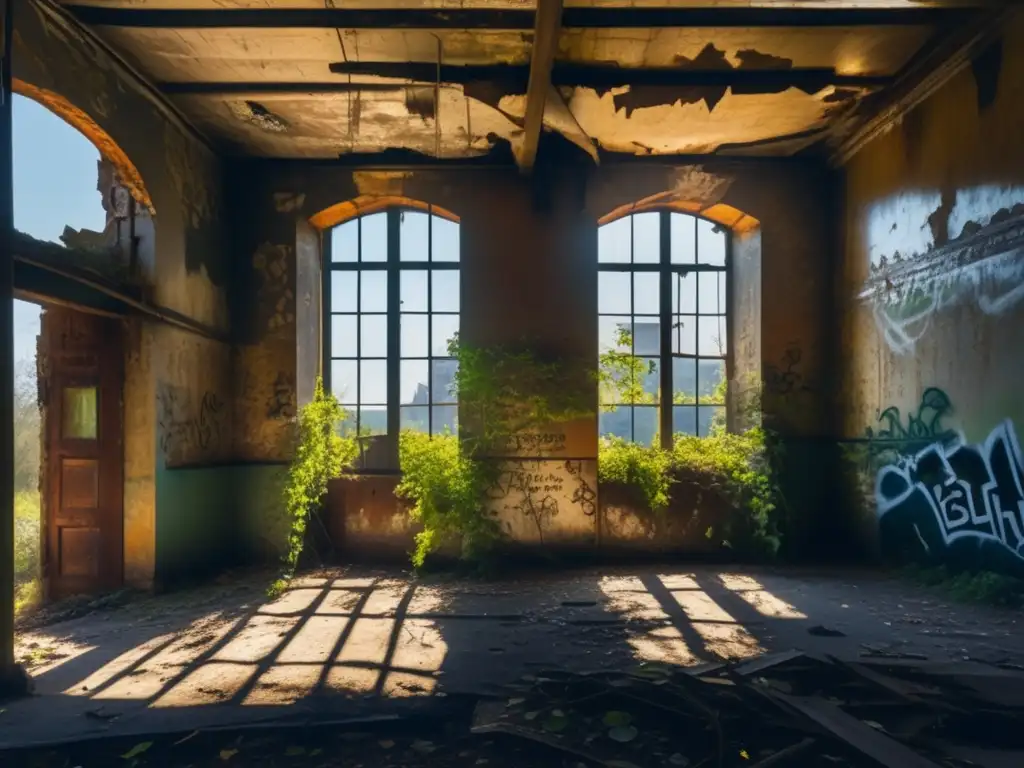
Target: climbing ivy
(502,392)
(321,454)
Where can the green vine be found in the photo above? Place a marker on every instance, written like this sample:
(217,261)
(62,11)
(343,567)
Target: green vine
(321,454)
(502,393)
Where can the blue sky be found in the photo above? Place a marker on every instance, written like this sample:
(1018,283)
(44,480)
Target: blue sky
(54,186)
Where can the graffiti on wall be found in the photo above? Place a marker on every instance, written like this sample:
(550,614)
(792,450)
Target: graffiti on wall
(957,503)
(786,378)
(984,268)
(898,436)
(281,403)
(185,433)
(534,443)
(543,493)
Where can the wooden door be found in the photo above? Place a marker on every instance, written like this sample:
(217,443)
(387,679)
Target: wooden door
(82,380)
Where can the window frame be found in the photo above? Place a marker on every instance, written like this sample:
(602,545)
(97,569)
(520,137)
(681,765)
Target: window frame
(667,272)
(393,266)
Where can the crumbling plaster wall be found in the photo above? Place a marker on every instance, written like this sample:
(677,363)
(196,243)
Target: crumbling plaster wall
(932,293)
(183,268)
(529,271)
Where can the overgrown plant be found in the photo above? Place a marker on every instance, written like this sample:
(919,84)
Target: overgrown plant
(321,454)
(502,392)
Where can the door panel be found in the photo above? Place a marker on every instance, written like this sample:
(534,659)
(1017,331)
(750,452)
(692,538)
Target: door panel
(83,380)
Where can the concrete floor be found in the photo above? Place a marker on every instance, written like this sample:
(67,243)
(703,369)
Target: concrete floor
(351,642)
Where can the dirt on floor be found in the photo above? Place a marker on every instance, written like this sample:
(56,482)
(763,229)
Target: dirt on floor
(359,642)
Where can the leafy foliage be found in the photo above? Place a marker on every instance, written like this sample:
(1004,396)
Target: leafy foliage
(448,489)
(649,469)
(321,454)
(621,374)
(739,467)
(983,587)
(502,392)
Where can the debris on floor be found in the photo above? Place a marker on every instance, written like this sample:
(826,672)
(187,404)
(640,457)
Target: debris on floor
(782,709)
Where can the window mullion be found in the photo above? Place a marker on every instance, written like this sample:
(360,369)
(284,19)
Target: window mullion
(664,316)
(326,321)
(394,382)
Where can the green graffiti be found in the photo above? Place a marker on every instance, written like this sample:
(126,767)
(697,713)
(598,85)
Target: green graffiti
(899,437)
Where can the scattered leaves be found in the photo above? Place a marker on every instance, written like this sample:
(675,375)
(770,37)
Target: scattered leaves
(555,723)
(614,718)
(294,751)
(622,734)
(227,754)
(386,743)
(137,750)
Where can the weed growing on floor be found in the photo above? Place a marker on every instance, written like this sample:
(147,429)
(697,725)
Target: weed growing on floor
(503,393)
(981,587)
(321,454)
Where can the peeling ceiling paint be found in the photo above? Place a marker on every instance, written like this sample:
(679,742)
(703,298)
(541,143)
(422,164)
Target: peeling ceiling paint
(466,123)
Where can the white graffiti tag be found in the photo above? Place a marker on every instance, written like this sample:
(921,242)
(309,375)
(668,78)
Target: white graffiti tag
(948,493)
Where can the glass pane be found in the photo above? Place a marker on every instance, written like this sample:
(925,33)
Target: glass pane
(415,417)
(711,340)
(374,237)
(646,293)
(710,420)
(345,242)
(684,380)
(712,374)
(613,293)
(646,336)
(444,238)
(613,246)
(373,421)
(444,288)
(343,336)
(648,370)
(373,296)
(343,292)
(443,331)
(618,423)
(710,243)
(373,336)
(347,427)
(684,420)
(442,380)
(414,382)
(684,241)
(79,414)
(611,330)
(373,382)
(414,290)
(414,336)
(413,236)
(645,425)
(711,293)
(445,419)
(684,335)
(684,293)
(646,238)
(344,375)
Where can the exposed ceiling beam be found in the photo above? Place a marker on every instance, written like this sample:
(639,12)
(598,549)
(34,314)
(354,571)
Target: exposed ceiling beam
(546,29)
(521,19)
(515,77)
(937,63)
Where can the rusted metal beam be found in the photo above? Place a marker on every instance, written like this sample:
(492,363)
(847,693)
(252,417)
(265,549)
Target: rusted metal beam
(513,19)
(546,29)
(515,77)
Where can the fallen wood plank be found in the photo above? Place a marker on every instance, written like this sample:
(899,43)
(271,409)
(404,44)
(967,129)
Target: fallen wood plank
(862,737)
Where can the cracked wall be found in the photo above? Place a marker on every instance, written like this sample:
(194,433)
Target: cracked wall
(528,271)
(932,293)
(182,265)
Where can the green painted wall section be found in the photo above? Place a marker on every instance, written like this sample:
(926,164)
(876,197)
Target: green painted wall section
(213,518)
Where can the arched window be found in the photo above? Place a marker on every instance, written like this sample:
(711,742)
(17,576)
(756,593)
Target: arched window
(662,325)
(392,296)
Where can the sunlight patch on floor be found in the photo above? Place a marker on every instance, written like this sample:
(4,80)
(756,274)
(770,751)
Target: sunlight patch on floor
(664,644)
(260,636)
(211,683)
(720,631)
(315,641)
(284,684)
(118,666)
(292,601)
(760,599)
(627,597)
